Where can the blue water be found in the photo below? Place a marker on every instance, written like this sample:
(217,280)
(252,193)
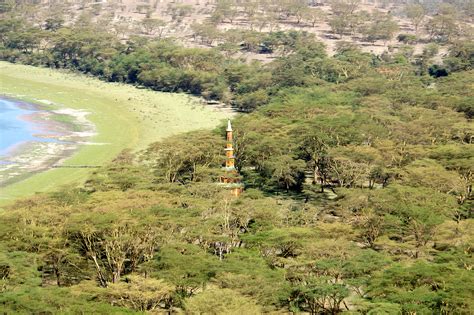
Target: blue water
(14,129)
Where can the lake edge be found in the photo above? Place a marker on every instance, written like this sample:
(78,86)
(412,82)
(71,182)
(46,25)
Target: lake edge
(27,158)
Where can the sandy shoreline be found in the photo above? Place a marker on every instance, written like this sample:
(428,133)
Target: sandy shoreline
(60,133)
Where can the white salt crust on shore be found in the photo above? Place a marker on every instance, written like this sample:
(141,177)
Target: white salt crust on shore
(28,158)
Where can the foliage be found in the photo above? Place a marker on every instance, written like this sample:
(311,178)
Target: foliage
(163,65)
(357,168)
(221,301)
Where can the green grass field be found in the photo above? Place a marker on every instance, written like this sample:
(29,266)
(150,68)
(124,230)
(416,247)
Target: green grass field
(124,116)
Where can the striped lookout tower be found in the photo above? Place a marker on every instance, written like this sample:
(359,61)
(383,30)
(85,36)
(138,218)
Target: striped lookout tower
(231,179)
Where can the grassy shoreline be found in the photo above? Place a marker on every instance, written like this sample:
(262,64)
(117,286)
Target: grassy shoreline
(124,116)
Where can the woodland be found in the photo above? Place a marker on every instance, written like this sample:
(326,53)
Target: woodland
(358,171)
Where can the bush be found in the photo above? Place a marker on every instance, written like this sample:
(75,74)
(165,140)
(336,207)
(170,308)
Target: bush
(407,38)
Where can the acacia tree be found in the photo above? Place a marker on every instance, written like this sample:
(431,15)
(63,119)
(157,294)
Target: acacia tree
(443,26)
(286,171)
(423,287)
(121,28)
(225,9)
(115,248)
(179,11)
(381,27)
(348,173)
(320,295)
(26,41)
(299,9)
(139,293)
(344,8)
(222,301)
(313,16)
(153,26)
(250,8)
(344,15)
(339,25)
(416,13)
(459,161)
(371,225)
(178,160)
(418,213)
(206,31)
(314,151)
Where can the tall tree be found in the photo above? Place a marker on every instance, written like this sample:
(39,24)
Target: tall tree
(416,13)
(444,26)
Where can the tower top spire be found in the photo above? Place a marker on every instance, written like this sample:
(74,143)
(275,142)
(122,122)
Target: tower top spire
(229,126)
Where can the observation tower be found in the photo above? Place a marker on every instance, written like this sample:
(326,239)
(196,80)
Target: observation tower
(231,178)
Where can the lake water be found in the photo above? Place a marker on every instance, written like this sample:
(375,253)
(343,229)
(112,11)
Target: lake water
(14,129)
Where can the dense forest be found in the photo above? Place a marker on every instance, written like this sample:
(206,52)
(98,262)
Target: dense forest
(218,74)
(357,167)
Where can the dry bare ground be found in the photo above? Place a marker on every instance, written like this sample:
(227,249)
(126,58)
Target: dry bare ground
(131,12)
